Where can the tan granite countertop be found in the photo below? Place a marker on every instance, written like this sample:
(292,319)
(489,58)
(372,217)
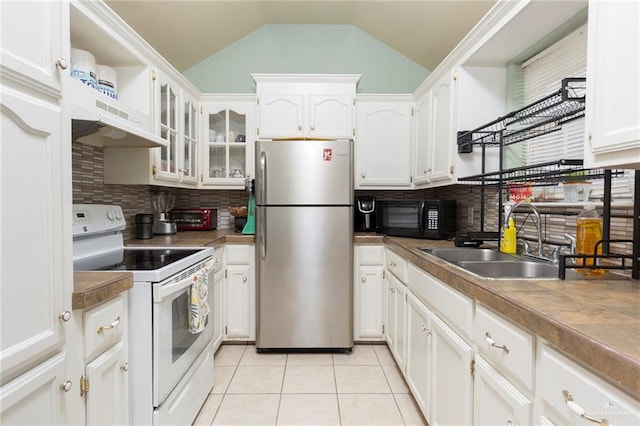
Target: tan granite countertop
(595,321)
(213,238)
(92,288)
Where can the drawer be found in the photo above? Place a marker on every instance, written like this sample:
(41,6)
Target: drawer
(585,391)
(369,255)
(104,325)
(509,348)
(396,264)
(453,307)
(218,254)
(238,254)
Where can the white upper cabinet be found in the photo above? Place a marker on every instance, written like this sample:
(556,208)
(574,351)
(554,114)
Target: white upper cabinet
(167,110)
(305,106)
(421,155)
(383,141)
(613,66)
(228,137)
(442,133)
(33,38)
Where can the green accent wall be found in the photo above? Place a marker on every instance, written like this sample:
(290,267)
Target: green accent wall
(307,49)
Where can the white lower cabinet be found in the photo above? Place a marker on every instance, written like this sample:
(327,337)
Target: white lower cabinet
(452,381)
(418,371)
(368,293)
(239,293)
(567,394)
(216,283)
(105,383)
(34,398)
(395,318)
(495,400)
(439,362)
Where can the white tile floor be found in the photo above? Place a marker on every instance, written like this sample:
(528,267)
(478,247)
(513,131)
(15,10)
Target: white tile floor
(364,387)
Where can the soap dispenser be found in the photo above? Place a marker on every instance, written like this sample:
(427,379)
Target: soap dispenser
(508,238)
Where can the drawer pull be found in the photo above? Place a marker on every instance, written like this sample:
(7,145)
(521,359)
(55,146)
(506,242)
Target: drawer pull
(114,324)
(490,341)
(576,409)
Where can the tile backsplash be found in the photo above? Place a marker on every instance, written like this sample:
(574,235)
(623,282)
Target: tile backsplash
(89,187)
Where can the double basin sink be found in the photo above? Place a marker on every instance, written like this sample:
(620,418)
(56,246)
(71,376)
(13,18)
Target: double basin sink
(493,264)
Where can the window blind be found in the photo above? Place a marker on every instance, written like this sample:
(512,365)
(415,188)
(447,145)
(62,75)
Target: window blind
(542,75)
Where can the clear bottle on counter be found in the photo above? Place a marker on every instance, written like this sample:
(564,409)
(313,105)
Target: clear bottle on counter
(588,233)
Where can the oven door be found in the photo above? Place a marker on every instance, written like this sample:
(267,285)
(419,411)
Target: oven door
(175,348)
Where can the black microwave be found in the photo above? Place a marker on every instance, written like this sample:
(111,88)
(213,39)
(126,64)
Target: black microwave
(430,219)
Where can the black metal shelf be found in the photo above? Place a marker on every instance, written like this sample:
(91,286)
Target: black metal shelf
(539,118)
(543,174)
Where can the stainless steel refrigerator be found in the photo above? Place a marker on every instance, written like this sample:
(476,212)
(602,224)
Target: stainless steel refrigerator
(304,244)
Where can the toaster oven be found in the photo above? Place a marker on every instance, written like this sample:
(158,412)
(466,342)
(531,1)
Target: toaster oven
(198,219)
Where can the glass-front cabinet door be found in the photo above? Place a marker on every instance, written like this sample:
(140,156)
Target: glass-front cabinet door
(167,165)
(228,142)
(188,162)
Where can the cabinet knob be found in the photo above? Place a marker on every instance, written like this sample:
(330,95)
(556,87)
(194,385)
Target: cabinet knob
(313,127)
(426,330)
(299,127)
(363,175)
(511,423)
(244,279)
(363,279)
(65,316)
(125,367)
(576,409)
(61,63)
(114,324)
(66,386)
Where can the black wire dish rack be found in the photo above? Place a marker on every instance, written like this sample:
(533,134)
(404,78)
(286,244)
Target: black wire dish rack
(542,117)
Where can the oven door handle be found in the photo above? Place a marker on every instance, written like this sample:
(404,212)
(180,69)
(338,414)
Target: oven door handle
(160,291)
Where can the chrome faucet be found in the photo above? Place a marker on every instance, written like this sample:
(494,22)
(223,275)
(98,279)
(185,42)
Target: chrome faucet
(538,222)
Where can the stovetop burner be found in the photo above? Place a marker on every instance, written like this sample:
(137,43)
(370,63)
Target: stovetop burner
(133,260)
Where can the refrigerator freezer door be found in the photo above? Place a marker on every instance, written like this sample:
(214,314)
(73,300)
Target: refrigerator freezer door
(305,277)
(304,172)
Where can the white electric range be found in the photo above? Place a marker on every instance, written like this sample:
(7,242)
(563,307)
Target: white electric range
(170,368)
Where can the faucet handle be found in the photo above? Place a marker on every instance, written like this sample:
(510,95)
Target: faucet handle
(526,247)
(572,242)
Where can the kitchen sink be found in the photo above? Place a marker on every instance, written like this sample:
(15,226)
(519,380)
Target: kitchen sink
(467,254)
(493,264)
(511,269)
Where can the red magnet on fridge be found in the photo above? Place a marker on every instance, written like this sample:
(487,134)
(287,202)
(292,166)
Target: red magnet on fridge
(327,154)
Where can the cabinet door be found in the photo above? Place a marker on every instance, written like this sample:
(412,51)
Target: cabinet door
(331,116)
(189,144)
(108,394)
(452,384)
(495,400)
(217,314)
(280,116)
(166,167)
(390,311)
(419,357)
(33,35)
(401,325)
(240,303)
(35,258)
(613,66)
(35,398)
(422,156)
(229,129)
(383,147)
(442,129)
(368,294)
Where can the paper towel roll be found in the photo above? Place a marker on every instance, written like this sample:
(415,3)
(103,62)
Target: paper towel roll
(107,81)
(83,67)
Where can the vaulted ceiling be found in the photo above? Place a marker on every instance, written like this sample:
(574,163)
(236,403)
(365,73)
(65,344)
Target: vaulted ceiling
(186,32)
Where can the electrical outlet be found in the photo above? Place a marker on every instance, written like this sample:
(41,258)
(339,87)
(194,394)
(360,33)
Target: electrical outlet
(470,215)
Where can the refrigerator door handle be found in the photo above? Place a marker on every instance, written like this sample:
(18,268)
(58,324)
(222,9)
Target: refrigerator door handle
(262,236)
(263,178)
